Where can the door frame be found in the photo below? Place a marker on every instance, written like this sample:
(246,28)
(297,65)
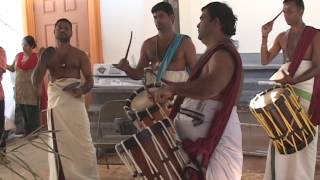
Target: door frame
(94,17)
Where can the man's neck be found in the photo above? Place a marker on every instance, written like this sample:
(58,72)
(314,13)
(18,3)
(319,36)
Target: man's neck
(62,45)
(298,27)
(213,42)
(166,34)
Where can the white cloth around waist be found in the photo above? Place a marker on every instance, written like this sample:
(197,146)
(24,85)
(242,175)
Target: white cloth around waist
(57,96)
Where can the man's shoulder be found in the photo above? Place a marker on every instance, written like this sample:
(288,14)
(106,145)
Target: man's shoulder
(47,53)
(78,51)
(283,33)
(150,39)
(317,37)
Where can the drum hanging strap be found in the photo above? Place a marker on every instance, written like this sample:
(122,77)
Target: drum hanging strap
(273,163)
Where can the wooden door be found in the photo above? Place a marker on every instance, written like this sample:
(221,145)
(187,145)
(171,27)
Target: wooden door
(47,12)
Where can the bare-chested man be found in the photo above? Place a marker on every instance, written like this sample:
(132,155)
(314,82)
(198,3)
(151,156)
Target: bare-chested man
(170,63)
(301,164)
(207,121)
(66,108)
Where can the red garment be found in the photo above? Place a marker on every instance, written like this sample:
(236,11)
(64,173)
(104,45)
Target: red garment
(206,146)
(302,46)
(28,64)
(31,64)
(3,64)
(3,59)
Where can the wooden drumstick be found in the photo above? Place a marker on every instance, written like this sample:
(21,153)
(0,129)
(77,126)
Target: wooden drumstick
(276,16)
(128,46)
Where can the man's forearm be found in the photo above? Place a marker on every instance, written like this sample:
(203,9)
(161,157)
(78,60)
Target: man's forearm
(37,77)
(191,89)
(133,73)
(312,72)
(87,86)
(264,50)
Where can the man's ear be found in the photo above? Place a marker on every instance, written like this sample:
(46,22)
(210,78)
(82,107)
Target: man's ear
(172,17)
(301,12)
(216,21)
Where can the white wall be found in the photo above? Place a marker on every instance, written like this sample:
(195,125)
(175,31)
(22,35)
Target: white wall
(251,15)
(118,18)
(11,28)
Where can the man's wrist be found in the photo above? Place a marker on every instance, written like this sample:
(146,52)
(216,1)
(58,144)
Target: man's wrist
(171,90)
(264,45)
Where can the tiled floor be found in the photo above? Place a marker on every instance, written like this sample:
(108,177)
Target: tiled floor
(37,159)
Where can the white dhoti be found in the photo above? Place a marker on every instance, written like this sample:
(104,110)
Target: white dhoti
(299,165)
(226,161)
(176,76)
(68,116)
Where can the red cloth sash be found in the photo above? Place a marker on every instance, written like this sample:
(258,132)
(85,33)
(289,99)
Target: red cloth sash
(206,146)
(302,46)
(28,64)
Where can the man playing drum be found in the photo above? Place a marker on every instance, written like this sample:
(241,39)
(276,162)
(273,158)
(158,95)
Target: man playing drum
(299,45)
(207,121)
(173,52)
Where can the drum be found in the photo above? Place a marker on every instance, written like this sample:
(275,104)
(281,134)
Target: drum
(143,111)
(153,153)
(283,118)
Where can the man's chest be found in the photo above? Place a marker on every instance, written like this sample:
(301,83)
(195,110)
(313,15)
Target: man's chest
(291,44)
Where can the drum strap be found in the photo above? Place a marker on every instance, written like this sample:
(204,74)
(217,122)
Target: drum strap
(171,51)
(302,46)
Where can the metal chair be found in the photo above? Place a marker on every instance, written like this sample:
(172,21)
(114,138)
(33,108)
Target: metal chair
(108,130)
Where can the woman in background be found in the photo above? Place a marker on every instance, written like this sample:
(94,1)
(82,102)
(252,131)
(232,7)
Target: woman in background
(27,98)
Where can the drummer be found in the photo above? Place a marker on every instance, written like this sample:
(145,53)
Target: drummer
(301,69)
(207,121)
(169,53)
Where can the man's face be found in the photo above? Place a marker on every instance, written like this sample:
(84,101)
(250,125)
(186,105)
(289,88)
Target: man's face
(162,20)
(203,25)
(63,31)
(292,13)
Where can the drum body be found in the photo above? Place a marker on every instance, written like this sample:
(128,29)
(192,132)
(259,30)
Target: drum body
(280,113)
(152,153)
(143,111)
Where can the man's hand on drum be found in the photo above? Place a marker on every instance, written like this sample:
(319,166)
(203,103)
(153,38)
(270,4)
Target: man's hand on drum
(122,65)
(161,95)
(286,79)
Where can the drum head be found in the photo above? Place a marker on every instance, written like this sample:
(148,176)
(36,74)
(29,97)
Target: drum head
(141,101)
(265,98)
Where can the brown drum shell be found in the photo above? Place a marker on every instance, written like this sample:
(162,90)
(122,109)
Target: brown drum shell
(278,120)
(144,116)
(145,138)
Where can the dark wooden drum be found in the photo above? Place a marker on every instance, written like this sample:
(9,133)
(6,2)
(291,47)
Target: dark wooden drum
(153,153)
(280,113)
